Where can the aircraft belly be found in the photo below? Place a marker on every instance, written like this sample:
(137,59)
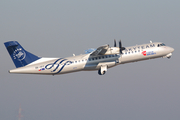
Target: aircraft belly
(97,66)
(54,70)
(72,68)
(25,70)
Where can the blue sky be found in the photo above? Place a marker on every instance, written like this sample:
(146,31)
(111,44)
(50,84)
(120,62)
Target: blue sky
(135,91)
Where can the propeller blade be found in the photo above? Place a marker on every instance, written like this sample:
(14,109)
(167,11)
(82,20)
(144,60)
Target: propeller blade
(120,47)
(120,44)
(114,43)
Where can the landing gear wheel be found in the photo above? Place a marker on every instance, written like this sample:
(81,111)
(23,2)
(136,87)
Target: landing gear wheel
(99,72)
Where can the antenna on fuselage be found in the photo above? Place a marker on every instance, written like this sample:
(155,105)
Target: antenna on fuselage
(150,41)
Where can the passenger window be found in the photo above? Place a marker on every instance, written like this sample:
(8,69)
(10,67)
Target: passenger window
(99,57)
(92,58)
(89,59)
(102,57)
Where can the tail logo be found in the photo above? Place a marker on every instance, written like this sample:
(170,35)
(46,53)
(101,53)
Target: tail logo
(19,54)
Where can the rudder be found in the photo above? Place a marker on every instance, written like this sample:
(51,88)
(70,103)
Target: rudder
(19,55)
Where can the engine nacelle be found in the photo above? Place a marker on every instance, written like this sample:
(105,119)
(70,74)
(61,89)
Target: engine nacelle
(102,70)
(112,50)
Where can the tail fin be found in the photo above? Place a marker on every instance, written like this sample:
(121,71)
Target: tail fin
(19,55)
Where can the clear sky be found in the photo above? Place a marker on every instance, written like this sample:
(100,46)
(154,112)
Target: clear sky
(147,90)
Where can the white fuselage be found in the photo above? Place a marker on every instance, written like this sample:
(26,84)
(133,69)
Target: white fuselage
(86,62)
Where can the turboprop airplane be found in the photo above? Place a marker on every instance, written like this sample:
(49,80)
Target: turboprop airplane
(99,59)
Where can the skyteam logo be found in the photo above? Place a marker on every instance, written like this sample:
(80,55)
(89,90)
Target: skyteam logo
(19,54)
(58,65)
(148,53)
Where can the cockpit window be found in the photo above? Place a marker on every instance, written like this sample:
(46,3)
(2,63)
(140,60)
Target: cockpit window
(162,44)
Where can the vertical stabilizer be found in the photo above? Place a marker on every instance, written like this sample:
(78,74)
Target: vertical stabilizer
(19,55)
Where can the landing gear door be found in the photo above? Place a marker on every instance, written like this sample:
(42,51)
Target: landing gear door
(103,68)
(119,60)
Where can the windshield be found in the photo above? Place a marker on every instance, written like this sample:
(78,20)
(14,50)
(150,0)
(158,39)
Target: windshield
(162,44)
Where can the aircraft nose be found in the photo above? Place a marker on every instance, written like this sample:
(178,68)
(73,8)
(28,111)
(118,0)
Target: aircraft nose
(171,49)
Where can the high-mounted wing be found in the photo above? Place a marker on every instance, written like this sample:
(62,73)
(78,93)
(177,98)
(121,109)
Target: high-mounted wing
(90,50)
(100,50)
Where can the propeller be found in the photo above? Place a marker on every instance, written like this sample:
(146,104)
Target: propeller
(120,47)
(114,42)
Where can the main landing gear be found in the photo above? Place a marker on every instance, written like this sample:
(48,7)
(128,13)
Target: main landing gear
(102,70)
